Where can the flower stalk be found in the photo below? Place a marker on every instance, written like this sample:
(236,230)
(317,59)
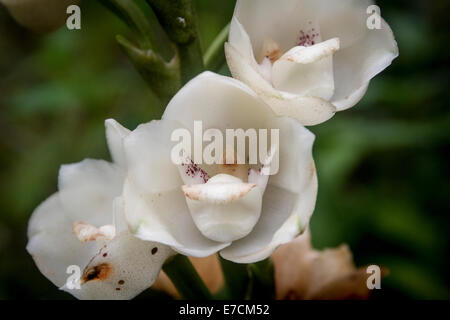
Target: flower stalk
(261,280)
(154,58)
(163,77)
(237,279)
(185,278)
(179,20)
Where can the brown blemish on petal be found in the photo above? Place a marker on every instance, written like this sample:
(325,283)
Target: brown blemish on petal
(104,255)
(154,250)
(274,55)
(270,50)
(121,282)
(117,289)
(100,272)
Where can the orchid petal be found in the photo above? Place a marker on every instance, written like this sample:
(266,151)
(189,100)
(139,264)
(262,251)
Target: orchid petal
(51,243)
(356,65)
(164,217)
(307,71)
(87,190)
(307,110)
(115,134)
(237,107)
(148,152)
(289,199)
(121,269)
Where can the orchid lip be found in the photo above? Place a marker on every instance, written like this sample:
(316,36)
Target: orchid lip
(217,193)
(225,208)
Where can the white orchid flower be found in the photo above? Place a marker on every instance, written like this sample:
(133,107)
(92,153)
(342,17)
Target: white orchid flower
(39,15)
(82,225)
(200,209)
(308,58)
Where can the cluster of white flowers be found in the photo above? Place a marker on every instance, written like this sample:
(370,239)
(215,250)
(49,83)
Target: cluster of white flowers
(295,63)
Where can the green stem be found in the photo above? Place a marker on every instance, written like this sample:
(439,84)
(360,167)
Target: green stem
(215,55)
(262,284)
(163,77)
(133,16)
(191,61)
(179,20)
(186,279)
(237,279)
(153,55)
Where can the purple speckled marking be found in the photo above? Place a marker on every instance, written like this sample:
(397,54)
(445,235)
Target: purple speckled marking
(308,38)
(258,171)
(192,170)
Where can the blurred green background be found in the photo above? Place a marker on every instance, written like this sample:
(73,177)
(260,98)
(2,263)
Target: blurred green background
(383,166)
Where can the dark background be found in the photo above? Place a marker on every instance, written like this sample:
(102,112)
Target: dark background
(383,166)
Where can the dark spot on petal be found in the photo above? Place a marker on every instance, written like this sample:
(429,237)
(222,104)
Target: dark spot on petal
(193,170)
(117,289)
(121,282)
(307,38)
(154,250)
(100,272)
(104,255)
